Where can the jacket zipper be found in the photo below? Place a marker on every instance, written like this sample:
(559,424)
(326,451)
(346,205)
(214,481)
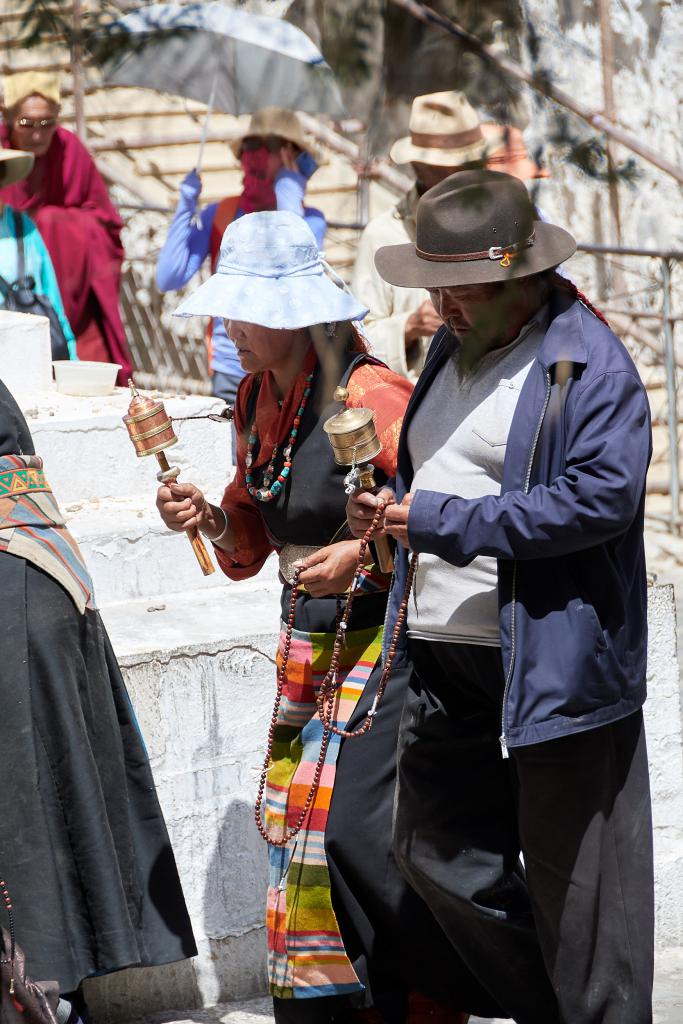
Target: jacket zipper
(513,651)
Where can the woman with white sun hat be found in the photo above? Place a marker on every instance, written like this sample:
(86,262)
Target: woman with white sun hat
(343,928)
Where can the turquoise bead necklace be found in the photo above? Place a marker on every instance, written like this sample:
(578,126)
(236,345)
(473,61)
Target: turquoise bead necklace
(269,490)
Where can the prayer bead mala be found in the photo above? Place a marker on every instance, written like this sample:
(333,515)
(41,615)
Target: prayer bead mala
(329,686)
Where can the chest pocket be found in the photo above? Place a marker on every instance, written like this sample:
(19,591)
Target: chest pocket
(494,416)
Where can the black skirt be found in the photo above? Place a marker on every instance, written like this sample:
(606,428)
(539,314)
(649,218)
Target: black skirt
(83,845)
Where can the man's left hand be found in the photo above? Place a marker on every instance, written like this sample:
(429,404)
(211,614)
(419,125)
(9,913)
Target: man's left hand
(396,520)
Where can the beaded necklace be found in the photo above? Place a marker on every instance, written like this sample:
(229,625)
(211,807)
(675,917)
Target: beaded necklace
(269,489)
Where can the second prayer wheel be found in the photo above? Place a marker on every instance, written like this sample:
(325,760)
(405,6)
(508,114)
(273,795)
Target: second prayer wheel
(353,436)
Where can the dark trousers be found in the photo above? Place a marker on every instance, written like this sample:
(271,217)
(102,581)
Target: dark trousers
(569,938)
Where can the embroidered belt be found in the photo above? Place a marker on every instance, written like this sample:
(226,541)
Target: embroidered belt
(291,553)
(22,481)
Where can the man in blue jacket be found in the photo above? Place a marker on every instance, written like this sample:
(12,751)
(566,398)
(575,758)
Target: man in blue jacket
(520,489)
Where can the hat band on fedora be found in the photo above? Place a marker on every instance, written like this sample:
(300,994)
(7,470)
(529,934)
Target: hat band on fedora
(496,252)
(434,140)
(507,156)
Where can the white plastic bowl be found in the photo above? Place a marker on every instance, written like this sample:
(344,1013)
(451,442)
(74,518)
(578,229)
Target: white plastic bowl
(79,377)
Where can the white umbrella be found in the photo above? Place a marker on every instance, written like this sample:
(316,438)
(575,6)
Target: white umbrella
(230,59)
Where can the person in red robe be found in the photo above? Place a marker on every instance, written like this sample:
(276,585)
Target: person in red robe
(68,200)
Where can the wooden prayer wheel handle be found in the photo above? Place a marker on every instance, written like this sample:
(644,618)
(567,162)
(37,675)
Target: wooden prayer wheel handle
(385,557)
(198,546)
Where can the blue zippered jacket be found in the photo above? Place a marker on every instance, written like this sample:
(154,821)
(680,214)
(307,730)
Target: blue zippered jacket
(567,530)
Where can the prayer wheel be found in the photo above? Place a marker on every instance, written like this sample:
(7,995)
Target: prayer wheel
(151,430)
(353,436)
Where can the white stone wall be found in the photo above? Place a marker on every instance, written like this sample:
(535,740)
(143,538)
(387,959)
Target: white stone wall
(663,725)
(648,91)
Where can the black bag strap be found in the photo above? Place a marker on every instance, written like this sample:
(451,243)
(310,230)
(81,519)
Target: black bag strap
(19,232)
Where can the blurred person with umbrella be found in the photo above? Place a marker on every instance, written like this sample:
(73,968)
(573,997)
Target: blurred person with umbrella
(239,63)
(277,161)
(68,200)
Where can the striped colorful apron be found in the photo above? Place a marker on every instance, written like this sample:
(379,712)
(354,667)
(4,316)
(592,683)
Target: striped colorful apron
(306,956)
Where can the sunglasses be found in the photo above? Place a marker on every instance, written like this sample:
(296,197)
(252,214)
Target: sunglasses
(29,125)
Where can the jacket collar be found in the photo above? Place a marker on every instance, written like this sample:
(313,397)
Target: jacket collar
(564,340)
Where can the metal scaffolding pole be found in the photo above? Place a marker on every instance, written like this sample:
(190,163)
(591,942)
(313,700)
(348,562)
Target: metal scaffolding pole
(77,70)
(671,396)
(607,56)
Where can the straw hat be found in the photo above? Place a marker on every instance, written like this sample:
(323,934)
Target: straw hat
(475,227)
(275,121)
(14,165)
(270,273)
(18,86)
(444,132)
(508,152)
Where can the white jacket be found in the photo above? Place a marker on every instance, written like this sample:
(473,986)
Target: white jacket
(390,306)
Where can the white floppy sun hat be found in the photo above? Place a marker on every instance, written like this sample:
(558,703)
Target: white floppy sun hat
(269,272)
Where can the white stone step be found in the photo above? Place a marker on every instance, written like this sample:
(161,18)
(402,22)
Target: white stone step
(200,669)
(130,553)
(169,624)
(88,453)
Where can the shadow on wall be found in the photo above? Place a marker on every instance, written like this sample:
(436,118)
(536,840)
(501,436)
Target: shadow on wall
(128,996)
(231,964)
(235,907)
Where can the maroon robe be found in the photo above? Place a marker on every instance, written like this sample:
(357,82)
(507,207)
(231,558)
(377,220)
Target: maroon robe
(67,198)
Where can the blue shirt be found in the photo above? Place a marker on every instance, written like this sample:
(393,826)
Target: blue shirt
(37,263)
(187,246)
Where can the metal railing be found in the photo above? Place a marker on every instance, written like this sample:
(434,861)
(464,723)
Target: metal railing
(172,354)
(640,306)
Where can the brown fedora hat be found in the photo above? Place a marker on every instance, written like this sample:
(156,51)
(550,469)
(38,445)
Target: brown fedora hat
(475,227)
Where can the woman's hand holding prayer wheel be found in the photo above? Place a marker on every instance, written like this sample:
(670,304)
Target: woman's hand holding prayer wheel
(183,506)
(329,570)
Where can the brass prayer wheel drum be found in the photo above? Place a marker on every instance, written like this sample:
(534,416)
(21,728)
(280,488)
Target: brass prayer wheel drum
(353,436)
(149,426)
(151,430)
